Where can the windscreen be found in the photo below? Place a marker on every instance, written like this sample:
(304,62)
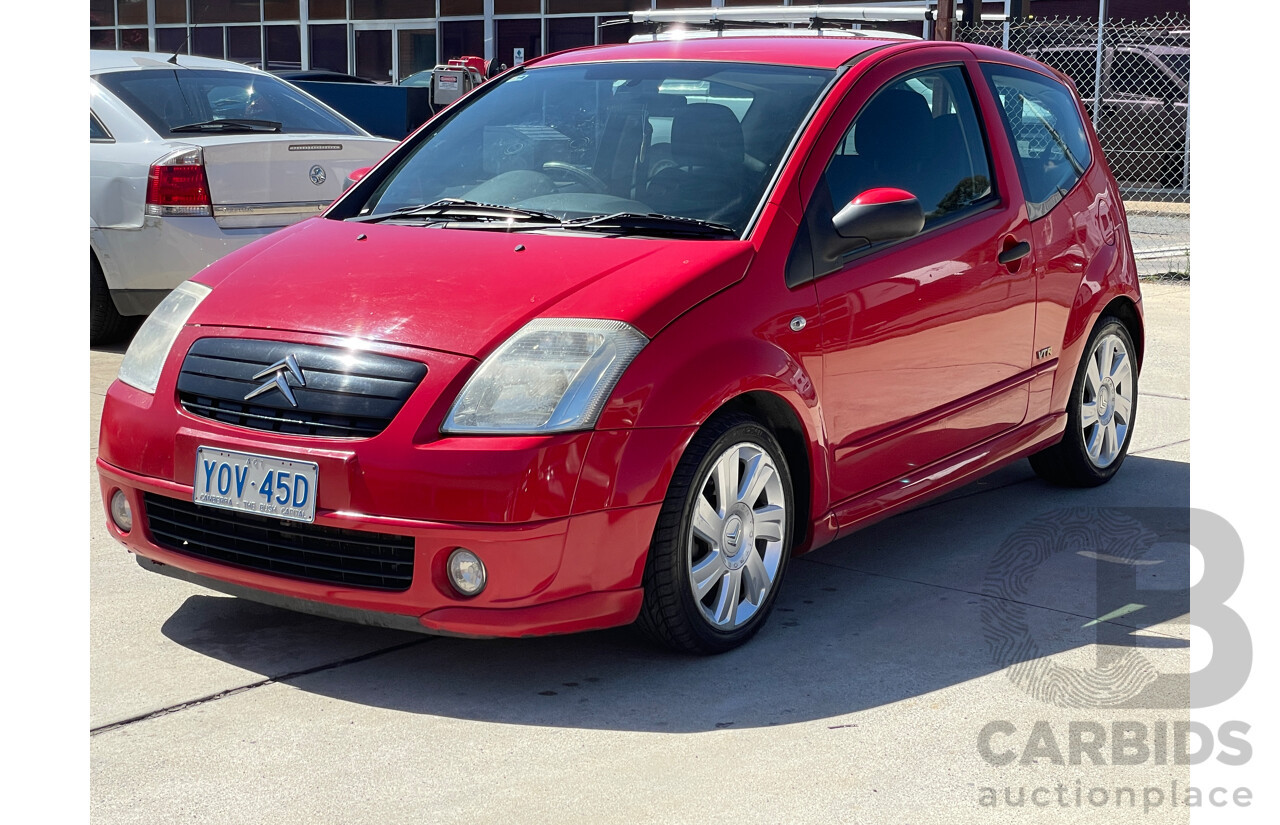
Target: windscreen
(691,139)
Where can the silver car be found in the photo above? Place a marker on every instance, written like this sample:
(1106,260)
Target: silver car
(192,158)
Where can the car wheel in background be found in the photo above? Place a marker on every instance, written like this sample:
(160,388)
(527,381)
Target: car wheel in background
(106,324)
(722,540)
(1100,412)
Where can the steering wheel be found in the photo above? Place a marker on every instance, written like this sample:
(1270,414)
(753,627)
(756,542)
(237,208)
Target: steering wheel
(582,176)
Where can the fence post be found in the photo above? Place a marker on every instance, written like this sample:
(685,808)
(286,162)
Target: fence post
(1186,146)
(946,19)
(1097,70)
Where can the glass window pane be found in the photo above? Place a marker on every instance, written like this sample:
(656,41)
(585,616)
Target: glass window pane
(462,8)
(131,12)
(517,6)
(465,37)
(510,35)
(417,50)
(102,38)
(920,134)
(166,101)
(284,48)
(171,11)
(244,44)
(515,142)
(280,9)
(327,9)
(389,9)
(589,6)
(96,130)
(206,41)
(619,32)
(134,40)
(102,13)
(570,33)
(329,47)
(172,41)
(228,11)
(373,55)
(1043,123)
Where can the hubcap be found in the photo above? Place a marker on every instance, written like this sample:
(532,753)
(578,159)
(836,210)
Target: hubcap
(1106,402)
(736,541)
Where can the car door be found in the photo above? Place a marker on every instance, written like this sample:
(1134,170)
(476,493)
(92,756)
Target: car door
(927,342)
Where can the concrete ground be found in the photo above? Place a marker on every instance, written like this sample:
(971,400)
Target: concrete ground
(902,668)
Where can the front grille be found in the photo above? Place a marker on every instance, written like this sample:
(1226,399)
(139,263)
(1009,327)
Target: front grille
(295,550)
(344,393)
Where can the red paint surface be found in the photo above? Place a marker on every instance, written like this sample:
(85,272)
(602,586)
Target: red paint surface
(914,370)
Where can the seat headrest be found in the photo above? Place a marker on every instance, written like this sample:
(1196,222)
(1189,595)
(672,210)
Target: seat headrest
(896,121)
(706,134)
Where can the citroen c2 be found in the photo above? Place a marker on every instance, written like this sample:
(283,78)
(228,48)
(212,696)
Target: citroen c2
(613,338)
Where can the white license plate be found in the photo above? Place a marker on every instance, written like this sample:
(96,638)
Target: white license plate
(260,484)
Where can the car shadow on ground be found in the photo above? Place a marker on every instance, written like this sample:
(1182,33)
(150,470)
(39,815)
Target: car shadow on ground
(995,576)
(121,341)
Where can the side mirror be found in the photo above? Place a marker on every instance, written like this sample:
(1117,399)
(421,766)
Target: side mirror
(878,215)
(355,177)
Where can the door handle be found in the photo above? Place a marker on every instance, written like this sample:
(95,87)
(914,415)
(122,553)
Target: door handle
(1015,253)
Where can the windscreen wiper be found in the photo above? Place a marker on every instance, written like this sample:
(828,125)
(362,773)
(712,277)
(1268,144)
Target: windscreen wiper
(230,124)
(459,209)
(652,224)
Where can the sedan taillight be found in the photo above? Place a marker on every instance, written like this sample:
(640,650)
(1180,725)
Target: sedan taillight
(177,185)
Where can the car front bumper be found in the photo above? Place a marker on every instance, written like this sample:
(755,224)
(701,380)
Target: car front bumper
(562,522)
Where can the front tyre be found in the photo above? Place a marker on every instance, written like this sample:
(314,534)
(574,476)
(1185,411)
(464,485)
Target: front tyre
(1100,412)
(722,540)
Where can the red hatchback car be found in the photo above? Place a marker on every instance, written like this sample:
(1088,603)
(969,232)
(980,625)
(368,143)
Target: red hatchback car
(617,335)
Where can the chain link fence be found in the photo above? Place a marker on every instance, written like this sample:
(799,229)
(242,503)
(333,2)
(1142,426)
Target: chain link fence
(1134,78)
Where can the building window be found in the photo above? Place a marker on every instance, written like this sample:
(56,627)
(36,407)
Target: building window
(280,9)
(284,47)
(570,33)
(244,44)
(171,41)
(103,13)
(389,9)
(329,47)
(228,11)
(171,11)
(131,12)
(102,38)
(463,37)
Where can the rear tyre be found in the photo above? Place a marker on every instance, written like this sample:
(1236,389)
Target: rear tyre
(722,540)
(1100,412)
(106,324)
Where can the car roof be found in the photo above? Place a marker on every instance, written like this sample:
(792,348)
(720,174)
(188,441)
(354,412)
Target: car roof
(815,51)
(104,60)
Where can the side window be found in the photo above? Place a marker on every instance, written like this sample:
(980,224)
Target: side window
(1045,129)
(1078,64)
(98,132)
(921,134)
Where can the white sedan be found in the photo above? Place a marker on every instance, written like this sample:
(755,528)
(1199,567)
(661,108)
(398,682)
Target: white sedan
(192,158)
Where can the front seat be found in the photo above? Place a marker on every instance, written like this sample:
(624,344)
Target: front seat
(894,139)
(708,175)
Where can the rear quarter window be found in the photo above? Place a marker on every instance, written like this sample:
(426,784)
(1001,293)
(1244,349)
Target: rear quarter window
(1046,131)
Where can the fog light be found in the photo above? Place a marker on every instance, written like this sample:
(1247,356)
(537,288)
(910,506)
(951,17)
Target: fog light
(466,572)
(121,512)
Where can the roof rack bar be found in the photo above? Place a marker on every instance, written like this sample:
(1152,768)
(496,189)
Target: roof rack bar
(815,16)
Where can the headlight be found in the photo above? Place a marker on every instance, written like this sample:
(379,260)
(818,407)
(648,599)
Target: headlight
(150,347)
(553,375)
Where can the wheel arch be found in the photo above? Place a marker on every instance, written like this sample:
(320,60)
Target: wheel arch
(780,419)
